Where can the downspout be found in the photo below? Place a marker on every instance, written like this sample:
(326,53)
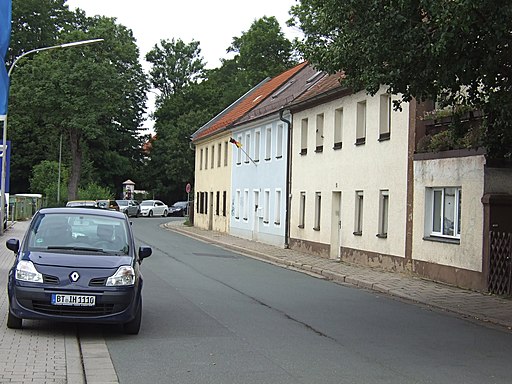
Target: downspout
(288,179)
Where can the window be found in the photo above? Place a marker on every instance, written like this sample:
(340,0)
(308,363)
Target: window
(385,117)
(361,123)
(246,204)
(237,204)
(279,141)
(224,203)
(318,209)
(257,141)
(304,137)
(277,208)
(198,202)
(206,158)
(205,196)
(247,147)
(219,151)
(201,160)
(319,132)
(338,128)
(268,145)
(445,212)
(226,146)
(266,207)
(239,151)
(383,214)
(358,224)
(217,205)
(302,209)
(213,157)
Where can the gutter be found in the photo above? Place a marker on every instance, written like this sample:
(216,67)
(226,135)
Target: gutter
(288,179)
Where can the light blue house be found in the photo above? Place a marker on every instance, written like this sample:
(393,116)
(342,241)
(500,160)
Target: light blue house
(260,162)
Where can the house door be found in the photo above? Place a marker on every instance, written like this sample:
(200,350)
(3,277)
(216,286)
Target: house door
(210,212)
(255,215)
(336,226)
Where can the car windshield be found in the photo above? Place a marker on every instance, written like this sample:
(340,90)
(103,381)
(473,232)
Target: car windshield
(79,232)
(148,202)
(124,203)
(179,204)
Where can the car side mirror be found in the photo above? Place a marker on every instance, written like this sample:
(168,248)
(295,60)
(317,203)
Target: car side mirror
(13,245)
(144,252)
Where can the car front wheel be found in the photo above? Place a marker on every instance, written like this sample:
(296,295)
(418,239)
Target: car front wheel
(150,214)
(165,213)
(13,322)
(133,327)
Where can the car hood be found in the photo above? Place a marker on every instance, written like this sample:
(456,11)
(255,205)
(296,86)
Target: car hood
(77,260)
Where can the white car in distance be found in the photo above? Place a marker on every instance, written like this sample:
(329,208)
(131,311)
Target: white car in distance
(152,208)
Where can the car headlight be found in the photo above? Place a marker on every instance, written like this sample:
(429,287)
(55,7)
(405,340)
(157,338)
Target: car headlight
(25,271)
(124,275)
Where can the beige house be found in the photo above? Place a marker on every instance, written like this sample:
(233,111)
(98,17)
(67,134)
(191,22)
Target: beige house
(349,175)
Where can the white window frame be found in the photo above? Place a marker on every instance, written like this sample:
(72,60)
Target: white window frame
(257,144)
(219,155)
(361,122)
(358,218)
(302,209)
(246,204)
(266,206)
(318,210)
(279,141)
(247,147)
(268,143)
(239,151)
(383,213)
(277,207)
(304,136)
(385,117)
(319,133)
(237,204)
(338,128)
(206,158)
(435,219)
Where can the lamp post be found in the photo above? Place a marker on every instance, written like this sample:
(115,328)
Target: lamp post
(4,135)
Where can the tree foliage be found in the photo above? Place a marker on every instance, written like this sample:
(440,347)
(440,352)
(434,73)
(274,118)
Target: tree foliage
(175,65)
(262,51)
(457,52)
(92,95)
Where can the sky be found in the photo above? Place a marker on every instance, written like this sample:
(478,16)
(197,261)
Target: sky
(212,23)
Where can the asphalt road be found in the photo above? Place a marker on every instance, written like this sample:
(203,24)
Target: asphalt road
(213,316)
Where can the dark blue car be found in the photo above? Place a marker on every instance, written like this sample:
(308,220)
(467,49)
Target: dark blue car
(79,265)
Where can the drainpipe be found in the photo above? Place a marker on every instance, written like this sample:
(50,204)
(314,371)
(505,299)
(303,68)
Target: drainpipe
(288,179)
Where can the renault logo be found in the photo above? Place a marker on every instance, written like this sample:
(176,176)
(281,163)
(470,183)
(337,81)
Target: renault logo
(74,277)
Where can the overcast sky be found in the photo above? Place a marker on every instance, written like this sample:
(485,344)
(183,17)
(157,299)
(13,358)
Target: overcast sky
(213,23)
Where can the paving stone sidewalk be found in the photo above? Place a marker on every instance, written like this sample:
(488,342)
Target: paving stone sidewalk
(44,352)
(492,309)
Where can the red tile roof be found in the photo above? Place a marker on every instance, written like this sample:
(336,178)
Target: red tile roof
(246,103)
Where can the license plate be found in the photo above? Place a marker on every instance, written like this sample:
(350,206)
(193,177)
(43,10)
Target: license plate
(75,300)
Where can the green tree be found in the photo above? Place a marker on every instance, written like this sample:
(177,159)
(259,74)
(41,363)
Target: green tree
(44,180)
(457,52)
(175,65)
(93,96)
(262,51)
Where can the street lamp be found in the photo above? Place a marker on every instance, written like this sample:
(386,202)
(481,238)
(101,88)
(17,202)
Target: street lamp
(4,136)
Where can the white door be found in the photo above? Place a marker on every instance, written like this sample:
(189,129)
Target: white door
(335,252)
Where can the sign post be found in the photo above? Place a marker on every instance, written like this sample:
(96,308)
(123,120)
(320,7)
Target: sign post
(188,188)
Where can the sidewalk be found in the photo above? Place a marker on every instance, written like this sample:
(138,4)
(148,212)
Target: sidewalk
(469,304)
(47,352)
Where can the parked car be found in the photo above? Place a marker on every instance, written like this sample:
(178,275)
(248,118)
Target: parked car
(179,208)
(129,207)
(81,203)
(153,208)
(77,265)
(108,204)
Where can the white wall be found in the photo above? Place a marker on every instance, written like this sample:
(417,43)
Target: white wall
(371,167)
(464,172)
